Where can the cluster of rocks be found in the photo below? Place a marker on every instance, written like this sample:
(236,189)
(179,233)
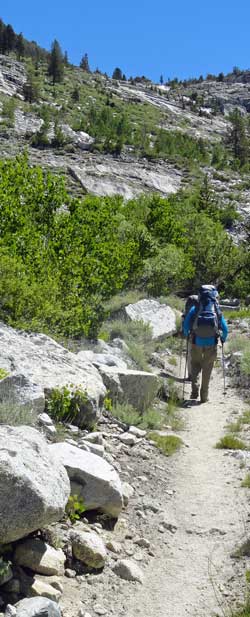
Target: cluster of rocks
(38,553)
(41,550)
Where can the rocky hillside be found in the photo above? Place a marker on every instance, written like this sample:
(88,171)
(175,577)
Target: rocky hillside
(59,132)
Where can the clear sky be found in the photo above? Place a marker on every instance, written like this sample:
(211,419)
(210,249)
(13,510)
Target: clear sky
(183,38)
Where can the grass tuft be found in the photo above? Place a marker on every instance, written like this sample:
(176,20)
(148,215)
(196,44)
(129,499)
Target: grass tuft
(167,444)
(230,442)
(15,415)
(246,482)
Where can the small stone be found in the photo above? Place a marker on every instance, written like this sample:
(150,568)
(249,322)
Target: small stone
(140,514)
(127,492)
(100,610)
(128,439)
(70,573)
(138,432)
(45,420)
(94,437)
(113,546)
(143,542)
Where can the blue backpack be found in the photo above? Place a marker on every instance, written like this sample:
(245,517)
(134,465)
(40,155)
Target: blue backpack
(207,317)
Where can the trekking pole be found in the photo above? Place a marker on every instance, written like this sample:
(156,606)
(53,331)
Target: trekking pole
(180,353)
(223,367)
(185,370)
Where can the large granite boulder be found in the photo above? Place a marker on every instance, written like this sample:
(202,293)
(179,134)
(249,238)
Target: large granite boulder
(37,364)
(138,388)
(160,317)
(91,477)
(33,491)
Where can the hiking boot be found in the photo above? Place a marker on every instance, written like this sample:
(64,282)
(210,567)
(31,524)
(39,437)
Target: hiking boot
(194,394)
(204,400)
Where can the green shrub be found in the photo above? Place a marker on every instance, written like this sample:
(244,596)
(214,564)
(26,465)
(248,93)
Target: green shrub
(3,373)
(75,508)
(64,404)
(230,442)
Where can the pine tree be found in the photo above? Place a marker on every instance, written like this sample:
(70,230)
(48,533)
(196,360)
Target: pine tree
(84,64)
(117,74)
(20,46)
(161,79)
(237,138)
(32,87)
(56,66)
(65,59)
(2,29)
(9,39)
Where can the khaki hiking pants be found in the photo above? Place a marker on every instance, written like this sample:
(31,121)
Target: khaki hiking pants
(202,361)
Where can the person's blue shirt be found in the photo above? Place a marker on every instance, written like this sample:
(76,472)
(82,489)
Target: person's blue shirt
(201,341)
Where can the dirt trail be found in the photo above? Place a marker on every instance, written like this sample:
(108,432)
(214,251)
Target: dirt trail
(193,572)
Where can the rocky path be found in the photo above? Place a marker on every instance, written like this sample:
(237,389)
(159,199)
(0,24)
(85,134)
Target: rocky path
(193,573)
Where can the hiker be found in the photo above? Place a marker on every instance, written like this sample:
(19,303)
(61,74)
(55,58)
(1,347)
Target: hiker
(192,300)
(206,325)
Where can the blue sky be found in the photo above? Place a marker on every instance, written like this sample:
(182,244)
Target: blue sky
(182,38)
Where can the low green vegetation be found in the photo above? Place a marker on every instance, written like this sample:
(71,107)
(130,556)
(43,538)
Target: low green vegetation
(230,442)
(246,482)
(241,343)
(75,508)
(243,313)
(242,612)
(15,414)
(64,404)
(3,373)
(238,342)
(137,336)
(167,444)
(150,419)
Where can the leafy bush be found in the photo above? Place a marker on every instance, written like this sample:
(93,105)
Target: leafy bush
(3,373)
(64,404)
(75,508)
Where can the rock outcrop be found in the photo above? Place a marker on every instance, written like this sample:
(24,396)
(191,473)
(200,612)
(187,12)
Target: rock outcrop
(28,502)
(160,317)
